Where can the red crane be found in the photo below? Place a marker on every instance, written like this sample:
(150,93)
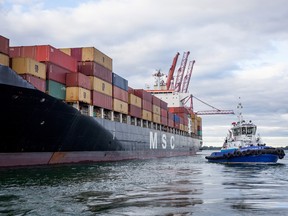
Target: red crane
(180,73)
(187,77)
(171,72)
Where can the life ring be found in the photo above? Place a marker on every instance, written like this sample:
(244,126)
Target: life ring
(244,153)
(238,153)
(229,155)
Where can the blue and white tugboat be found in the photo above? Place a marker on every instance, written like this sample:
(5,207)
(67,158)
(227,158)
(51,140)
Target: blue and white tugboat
(242,145)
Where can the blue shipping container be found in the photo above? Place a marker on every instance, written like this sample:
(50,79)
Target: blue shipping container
(176,118)
(119,81)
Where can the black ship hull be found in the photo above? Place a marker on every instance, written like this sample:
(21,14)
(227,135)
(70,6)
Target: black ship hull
(38,129)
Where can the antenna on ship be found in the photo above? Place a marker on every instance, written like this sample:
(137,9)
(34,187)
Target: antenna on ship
(239,108)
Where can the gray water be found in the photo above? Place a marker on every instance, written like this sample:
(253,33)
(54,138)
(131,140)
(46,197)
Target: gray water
(167,186)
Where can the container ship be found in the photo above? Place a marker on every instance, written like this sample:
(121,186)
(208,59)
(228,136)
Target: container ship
(67,105)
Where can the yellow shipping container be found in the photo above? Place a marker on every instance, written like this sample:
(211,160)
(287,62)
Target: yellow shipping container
(146,115)
(74,94)
(29,66)
(4,59)
(134,100)
(199,121)
(186,128)
(101,86)
(66,51)
(120,106)
(156,118)
(156,110)
(92,54)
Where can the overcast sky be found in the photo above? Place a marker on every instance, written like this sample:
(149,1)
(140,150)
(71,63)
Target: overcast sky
(240,48)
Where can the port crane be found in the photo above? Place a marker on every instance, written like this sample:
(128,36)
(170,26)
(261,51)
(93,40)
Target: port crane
(181,85)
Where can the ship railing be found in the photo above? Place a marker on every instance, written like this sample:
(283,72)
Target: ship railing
(100,112)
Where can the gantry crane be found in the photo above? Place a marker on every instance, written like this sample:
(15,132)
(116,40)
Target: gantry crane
(169,82)
(181,85)
(180,73)
(215,110)
(187,77)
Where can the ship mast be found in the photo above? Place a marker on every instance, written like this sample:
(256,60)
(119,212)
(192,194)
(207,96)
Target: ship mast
(239,112)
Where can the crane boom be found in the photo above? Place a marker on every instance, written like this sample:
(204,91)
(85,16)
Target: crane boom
(180,73)
(171,71)
(187,77)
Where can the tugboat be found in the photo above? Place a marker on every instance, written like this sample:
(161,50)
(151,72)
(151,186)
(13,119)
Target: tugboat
(243,146)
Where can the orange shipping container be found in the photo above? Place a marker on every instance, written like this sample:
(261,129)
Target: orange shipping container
(156,110)
(120,106)
(156,118)
(66,51)
(147,115)
(4,59)
(29,66)
(101,86)
(74,94)
(92,54)
(134,100)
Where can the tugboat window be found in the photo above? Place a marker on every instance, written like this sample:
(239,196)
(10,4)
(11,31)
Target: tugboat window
(244,130)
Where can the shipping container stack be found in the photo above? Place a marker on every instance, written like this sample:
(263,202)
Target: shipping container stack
(120,98)
(156,109)
(182,118)
(83,77)
(98,68)
(134,107)
(57,65)
(147,108)
(164,114)
(4,51)
(78,89)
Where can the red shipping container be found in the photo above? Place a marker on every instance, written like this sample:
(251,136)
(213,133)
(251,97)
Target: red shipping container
(120,94)
(4,45)
(76,53)
(143,94)
(101,100)
(164,120)
(49,53)
(170,115)
(56,73)
(147,105)
(15,52)
(24,51)
(134,111)
(156,101)
(46,53)
(170,123)
(164,105)
(178,110)
(78,80)
(37,82)
(164,113)
(95,69)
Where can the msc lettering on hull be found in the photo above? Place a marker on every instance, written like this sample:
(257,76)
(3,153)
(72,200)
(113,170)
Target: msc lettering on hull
(164,141)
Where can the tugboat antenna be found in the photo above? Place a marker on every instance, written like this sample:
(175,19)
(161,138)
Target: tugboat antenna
(239,108)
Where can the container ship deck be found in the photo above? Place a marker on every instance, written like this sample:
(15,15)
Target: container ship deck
(67,106)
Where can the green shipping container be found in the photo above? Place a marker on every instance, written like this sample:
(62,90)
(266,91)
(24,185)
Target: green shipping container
(56,89)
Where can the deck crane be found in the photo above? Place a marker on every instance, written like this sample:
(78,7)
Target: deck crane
(169,86)
(187,77)
(180,73)
(215,110)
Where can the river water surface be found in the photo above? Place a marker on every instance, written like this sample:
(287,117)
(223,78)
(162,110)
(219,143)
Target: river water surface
(167,186)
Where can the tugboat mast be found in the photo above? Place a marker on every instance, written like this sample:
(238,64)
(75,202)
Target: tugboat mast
(239,111)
